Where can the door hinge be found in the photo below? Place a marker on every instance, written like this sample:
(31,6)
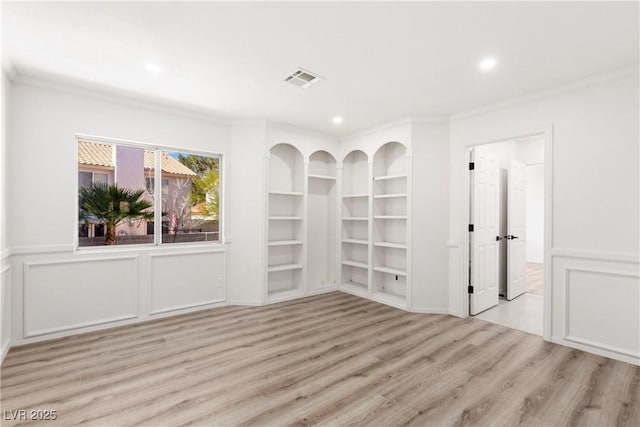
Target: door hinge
(472,166)
(470,289)
(470,228)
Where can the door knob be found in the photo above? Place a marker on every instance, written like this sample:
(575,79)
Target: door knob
(510,237)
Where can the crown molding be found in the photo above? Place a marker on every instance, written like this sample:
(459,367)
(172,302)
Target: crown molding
(546,93)
(110,94)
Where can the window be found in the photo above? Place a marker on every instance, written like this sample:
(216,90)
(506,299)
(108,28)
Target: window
(119,203)
(190,200)
(150,182)
(86,179)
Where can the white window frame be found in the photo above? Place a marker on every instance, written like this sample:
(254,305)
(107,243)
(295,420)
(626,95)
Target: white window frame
(157,196)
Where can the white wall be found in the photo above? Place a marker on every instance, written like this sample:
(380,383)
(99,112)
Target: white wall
(245,225)
(595,196)
(430,220)
(57,291)
(5,267)
(535,213)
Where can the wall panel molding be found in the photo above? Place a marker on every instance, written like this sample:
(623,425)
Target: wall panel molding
(596,255)
(5,311)
(596,303)
(57,297)
(177,280)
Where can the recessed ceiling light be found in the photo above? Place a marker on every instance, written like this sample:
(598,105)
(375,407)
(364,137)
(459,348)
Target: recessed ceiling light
(487,64)
(337,120)
(153,68)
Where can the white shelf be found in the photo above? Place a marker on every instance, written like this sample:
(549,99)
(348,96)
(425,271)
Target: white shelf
(286,193)
(285,294)
(395,300)
(285,242)
(355,264)
(390,217)
(355,218)
(359,289)
(285,218)
(384,177)
(283,267)
(390,245)
(389,196)
(391,270)
(351,196)
(322,176)
(355,241)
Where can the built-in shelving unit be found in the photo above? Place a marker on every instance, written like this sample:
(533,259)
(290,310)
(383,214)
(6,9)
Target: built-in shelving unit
(390,228)
(355,224)
(322,260)
(285,229)
(331,227)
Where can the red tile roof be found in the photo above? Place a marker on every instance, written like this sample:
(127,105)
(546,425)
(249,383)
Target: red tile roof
(98,154)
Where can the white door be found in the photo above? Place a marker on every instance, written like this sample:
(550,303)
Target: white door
(516,230)
(483,239)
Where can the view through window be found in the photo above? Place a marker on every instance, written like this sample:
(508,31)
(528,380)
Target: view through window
(118,199)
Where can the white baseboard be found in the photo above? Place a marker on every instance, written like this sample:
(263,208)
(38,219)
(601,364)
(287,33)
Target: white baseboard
(115,324)
(320,291)
(430,310)
(600,351)
(254,303)
(5,350)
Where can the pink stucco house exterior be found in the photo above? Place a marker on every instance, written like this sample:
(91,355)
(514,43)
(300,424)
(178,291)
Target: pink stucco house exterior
(134,168)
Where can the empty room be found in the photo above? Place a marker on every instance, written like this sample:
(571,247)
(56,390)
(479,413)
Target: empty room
(320,213)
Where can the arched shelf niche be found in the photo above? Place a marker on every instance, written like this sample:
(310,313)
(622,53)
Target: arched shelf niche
(321,222)
(285,230)
(390,192)
(355,224)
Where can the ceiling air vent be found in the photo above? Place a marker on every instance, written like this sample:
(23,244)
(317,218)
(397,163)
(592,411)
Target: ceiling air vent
(302,78)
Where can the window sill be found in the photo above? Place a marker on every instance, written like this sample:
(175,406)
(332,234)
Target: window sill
(176,247)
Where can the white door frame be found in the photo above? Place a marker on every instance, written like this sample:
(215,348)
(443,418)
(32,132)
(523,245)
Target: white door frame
(547,132)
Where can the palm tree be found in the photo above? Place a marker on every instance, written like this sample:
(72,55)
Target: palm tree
(112,205)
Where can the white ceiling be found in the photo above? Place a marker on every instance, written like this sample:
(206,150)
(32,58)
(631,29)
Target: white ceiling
(380,61)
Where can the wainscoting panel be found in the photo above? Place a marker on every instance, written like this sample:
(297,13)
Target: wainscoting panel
(596,305)
(186,279)
(5,310)
(70,294)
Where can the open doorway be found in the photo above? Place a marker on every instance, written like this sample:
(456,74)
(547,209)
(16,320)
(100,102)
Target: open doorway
(506,233)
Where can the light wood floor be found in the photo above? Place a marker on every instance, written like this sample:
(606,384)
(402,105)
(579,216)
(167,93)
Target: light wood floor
(535,278)
(333,360)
